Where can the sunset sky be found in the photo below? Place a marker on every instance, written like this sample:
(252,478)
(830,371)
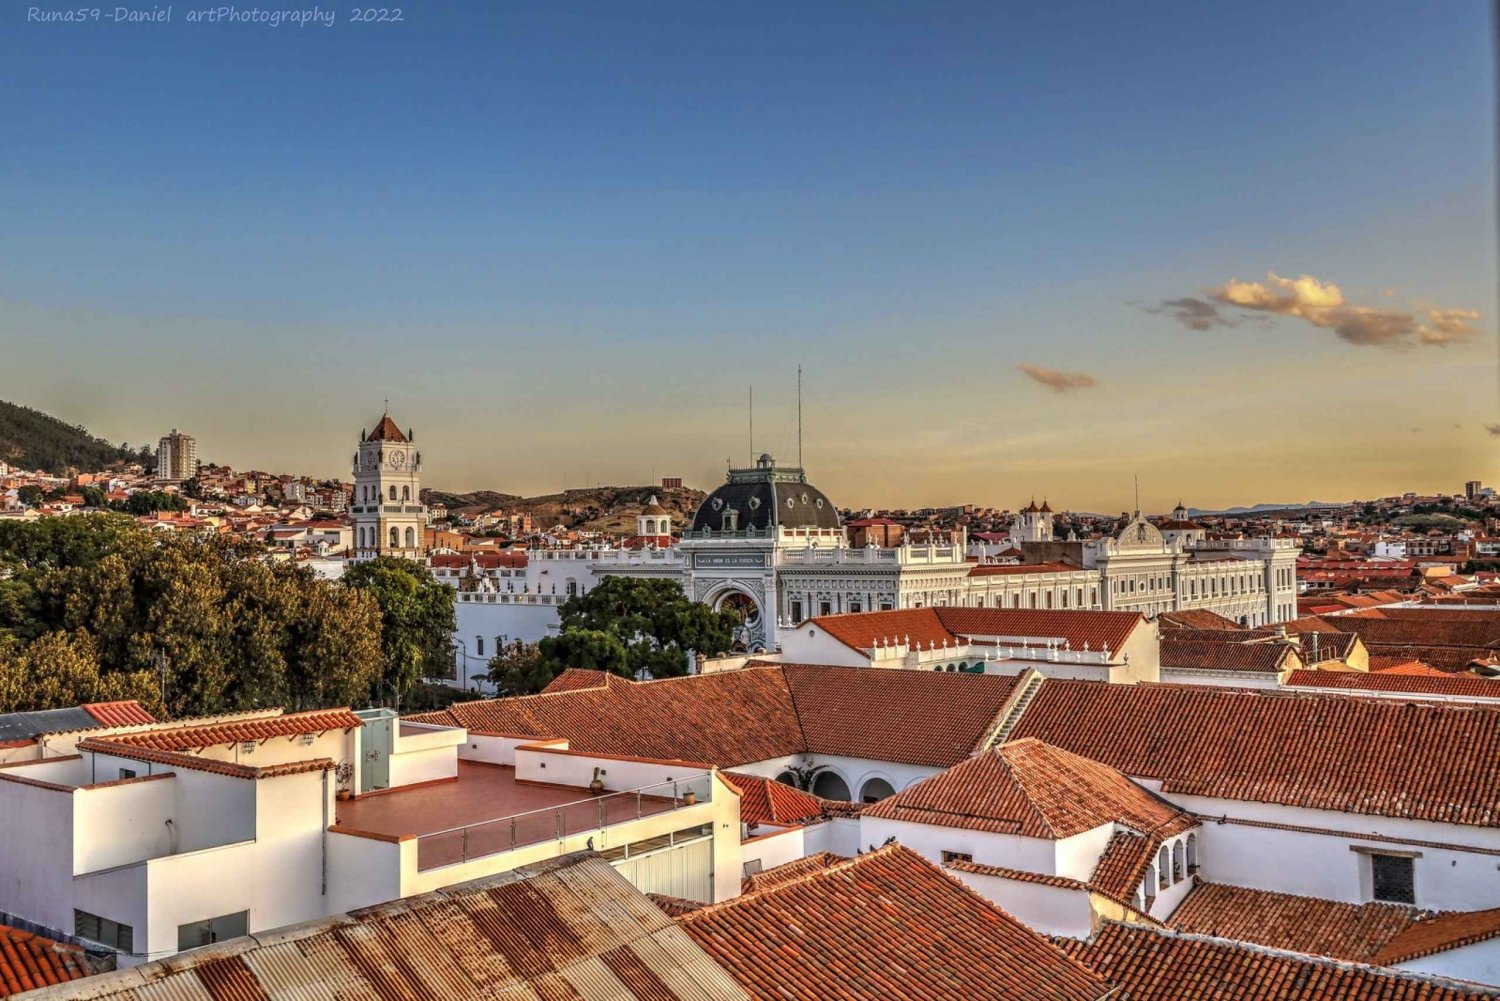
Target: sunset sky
(1243,251)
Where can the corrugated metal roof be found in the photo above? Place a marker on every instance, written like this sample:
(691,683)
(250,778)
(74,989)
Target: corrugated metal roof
(24,726)
(570,927)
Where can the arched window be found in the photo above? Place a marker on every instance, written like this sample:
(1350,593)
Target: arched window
(829,785)
(875,790)
(1192,853)
(395,538)
(406,493)
(1177,861)
(393,491)
(1164,868)
(479,646)
(787,779)
(411,538)
(1148,886)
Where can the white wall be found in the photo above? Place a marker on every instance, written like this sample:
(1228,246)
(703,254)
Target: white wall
(854,771)
(1321,865)
(1049,910)
(36,872)
(1078,856)
(1223,679)
(930,841)
(423,765)
(116,824)
(1477,963)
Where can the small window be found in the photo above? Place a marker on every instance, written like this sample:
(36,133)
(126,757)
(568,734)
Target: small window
(127,773)
(201,933)
(753,866)
(957,857)
(796,611)
(855,606)
(825,608)
(1394,878)
(104,931)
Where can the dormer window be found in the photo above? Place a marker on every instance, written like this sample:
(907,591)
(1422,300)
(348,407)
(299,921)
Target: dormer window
(731,520)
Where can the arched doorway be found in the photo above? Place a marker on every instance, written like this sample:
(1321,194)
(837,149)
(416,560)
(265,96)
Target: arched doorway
(830,785)
(875,790)
(747,611)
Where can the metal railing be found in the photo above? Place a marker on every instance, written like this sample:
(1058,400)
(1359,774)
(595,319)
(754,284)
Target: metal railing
(556,823)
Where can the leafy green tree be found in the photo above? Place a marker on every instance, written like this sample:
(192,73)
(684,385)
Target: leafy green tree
(632,626)
(417,620)
(30,495)
(518,669)
(93,497)
(62,669)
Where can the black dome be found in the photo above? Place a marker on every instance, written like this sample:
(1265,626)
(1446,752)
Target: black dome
(767,496)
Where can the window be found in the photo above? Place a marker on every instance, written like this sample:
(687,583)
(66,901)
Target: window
(406,493)
(1393,878)
(825,608)
(104,931)
(753,866)
(957,857)
(393,491)
(199,933)
(127,773)
(479,646)
(855,606)
(886,606)
(796,611)
(395,538)
(411,538)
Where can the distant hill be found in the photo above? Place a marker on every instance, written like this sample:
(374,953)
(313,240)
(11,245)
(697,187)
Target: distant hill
(1266,508)
(31,439)
(610,509)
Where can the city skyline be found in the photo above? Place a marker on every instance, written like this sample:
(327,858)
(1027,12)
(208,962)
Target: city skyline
(1016,253)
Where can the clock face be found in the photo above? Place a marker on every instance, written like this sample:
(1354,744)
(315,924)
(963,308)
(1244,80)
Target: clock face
(398,459)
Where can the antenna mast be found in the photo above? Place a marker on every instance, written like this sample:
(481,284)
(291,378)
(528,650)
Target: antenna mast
(799,417)
(752,426)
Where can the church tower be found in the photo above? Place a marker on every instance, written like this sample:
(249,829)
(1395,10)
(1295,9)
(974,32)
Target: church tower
(1033,524)
(389,516)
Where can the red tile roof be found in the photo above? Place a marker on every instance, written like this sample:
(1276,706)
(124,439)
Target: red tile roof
(1354,932)
(795,869)
(193,762)
(1461,686)
(766,801)
(735,717)
(1079,628)
(508,558)
(1439,933)
(936,626)
(1153,965)
(885,925)
(1122,866)
(386,430)
(1428,761)
(574,678)
(126,713)
(1196,618)
(1033,790)
(1250,658)
(1446,639)
(186,738)
(29,961)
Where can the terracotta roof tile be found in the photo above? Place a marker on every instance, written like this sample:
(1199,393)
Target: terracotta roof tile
(1196,618)
(574,678)
(1380,757)
(885,925)
(795,869)
(193,762)
(1439,933)
(735,717)
(1079,628)
(386,430)
(766,801)
(184,738)
(1034,790)
(1461,686)
(1354,932)
(1122,866)
(1153,965)
(126,713)
(1250,658)
(29,961)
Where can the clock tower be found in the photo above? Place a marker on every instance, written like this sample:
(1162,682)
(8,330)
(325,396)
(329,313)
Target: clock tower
(389,516)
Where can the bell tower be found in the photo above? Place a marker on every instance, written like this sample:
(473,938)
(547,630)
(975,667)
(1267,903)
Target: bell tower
(389,517)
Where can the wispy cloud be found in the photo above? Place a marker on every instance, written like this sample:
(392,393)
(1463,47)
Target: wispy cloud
(1322,304)
(1057,381)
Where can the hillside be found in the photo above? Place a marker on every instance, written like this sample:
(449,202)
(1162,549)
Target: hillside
(31,439)
(611,509)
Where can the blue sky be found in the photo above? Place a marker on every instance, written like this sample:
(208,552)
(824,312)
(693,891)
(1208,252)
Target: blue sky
(563,239)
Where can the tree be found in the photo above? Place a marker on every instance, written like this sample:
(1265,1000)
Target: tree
(30,495)
(518,669)
(632,626)
(416,615)
(61,669)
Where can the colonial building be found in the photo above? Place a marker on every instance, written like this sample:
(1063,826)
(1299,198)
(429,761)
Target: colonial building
(388,514)
(770,546)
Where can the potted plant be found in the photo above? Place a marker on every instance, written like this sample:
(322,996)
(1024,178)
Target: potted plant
(690,797)
(344,773)
(597,785)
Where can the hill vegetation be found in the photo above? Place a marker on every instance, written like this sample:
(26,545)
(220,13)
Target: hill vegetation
(31,439)
(611,509)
